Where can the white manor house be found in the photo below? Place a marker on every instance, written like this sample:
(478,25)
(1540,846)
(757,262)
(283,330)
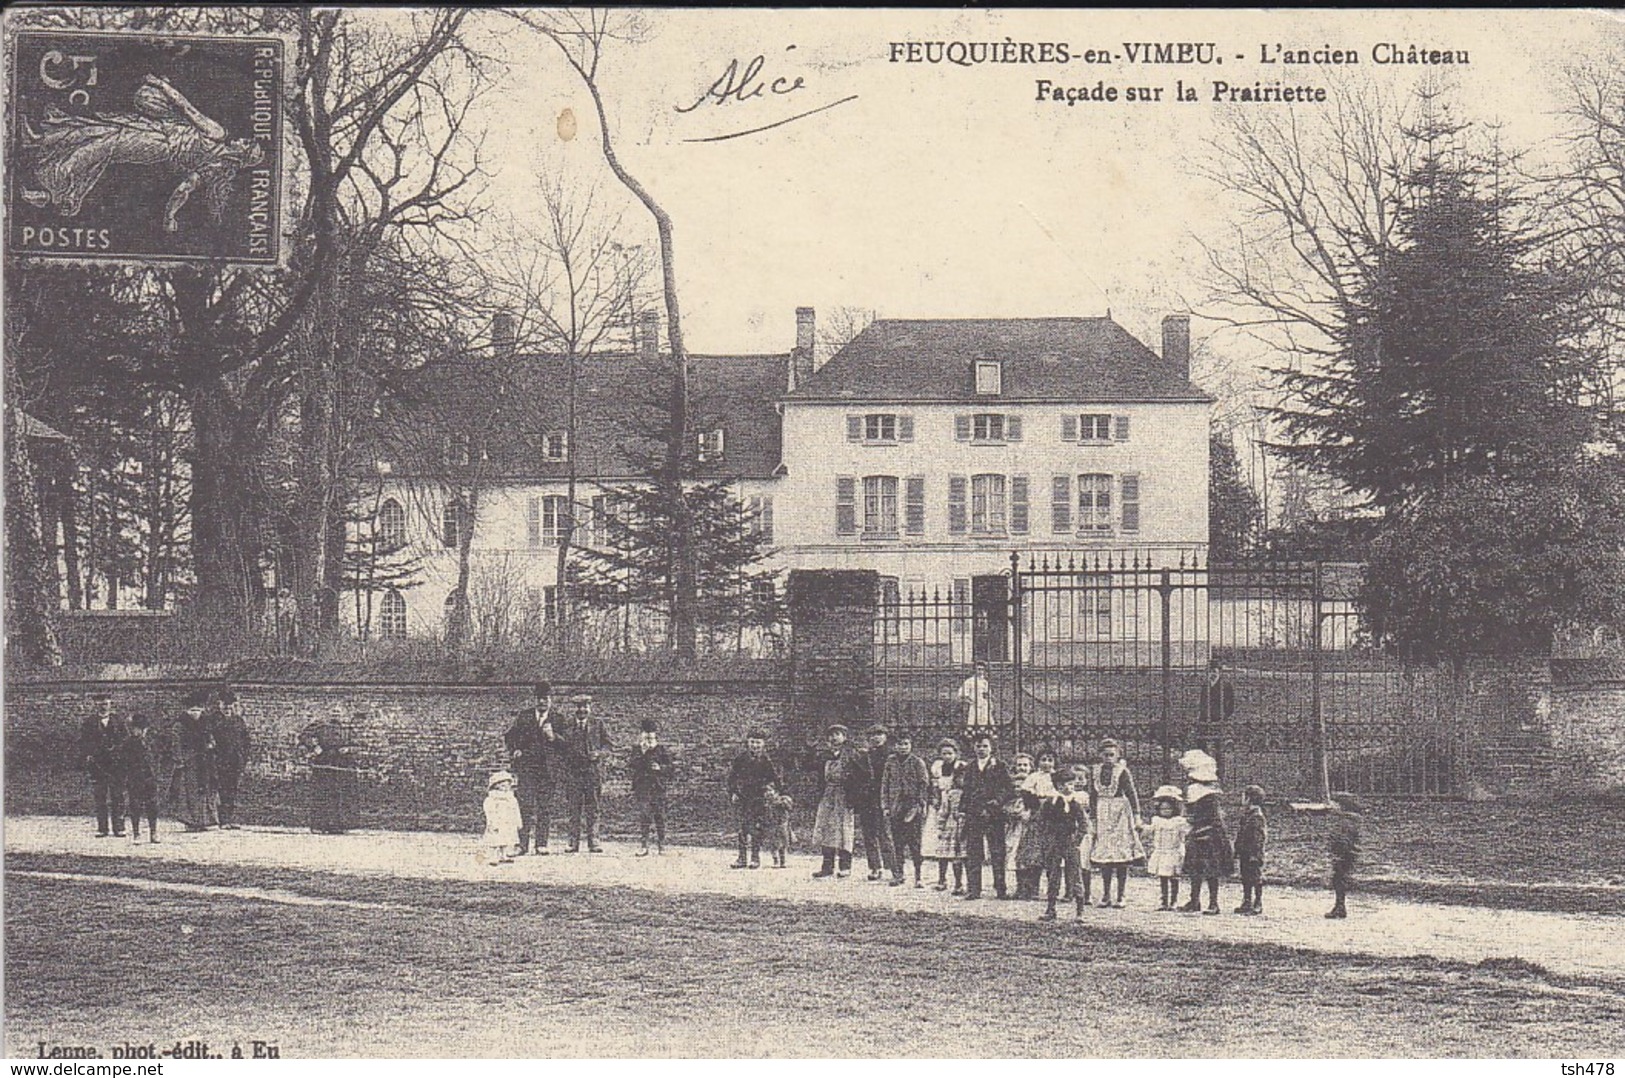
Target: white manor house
(925,449)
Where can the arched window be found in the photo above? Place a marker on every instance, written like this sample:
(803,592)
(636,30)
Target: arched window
(392,616)
(391,525)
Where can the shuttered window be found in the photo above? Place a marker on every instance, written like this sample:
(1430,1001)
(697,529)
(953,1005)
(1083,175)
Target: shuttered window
(846,507)
(956,504)
(1131,503)
(987,504)
(1121,431)
(1060,505)
(914,505)
(1019,510)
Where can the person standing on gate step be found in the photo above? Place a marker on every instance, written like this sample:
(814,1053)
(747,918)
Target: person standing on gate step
(583,742)
(231,747)
(751,773)
(833,822)
(989,791)
(101,745)
(530,741)
(976,701)
(651,770)
(143,758)
(1216,709)
(905,792)
(192,792)
(868,773)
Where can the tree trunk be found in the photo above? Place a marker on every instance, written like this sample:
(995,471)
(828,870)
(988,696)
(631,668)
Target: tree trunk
(30,629)
(67,508)
(224,560)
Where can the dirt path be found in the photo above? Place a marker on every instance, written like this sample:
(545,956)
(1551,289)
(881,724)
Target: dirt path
(1580,945)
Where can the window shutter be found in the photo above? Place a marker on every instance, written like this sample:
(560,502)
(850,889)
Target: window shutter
(1012,428)
(765,520)
(846,509)
(1060,506)
(962,428)
(1131,503)
(854,428)
(533,521)
(1069,428)
(905,428)
(956,505)
(1120,428)
(1018,505)
(914,505)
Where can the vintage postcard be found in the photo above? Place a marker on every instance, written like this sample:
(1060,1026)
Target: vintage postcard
(540,533)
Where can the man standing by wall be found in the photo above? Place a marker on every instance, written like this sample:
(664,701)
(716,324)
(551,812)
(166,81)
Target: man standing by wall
(101,745)
(583,743)
(1216,710)
(231,748)
(530,740)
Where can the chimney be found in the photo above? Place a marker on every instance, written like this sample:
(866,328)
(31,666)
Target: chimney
(1176,343)
(504,334)
(801,359)
(649,334)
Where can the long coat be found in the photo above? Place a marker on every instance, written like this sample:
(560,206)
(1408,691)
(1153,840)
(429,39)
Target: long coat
(192,793)
(986,792)
(528,747)
(100,746)
(1207,849)
(834,823)
(905,786)
(580,749)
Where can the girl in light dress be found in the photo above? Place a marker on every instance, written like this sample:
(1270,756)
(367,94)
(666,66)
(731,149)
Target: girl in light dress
(502,819)
(1166,832)
(944,829)
(1016,814)
(1117,812)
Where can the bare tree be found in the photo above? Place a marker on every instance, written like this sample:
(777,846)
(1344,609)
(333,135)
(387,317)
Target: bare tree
(839,326)
(581,37)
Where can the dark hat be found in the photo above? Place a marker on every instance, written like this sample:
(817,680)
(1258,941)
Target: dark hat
(648,726)
(99,697)
(756,733)
(877,728)
(1253,794)
(196,698)
(226,696)
(139,722)
(542,688)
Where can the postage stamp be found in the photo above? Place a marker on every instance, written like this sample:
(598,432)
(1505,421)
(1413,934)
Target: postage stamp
(145,147)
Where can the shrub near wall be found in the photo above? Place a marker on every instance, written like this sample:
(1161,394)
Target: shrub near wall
(429,747)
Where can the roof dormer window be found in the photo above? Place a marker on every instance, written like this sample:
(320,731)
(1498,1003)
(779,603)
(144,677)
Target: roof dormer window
(989,377)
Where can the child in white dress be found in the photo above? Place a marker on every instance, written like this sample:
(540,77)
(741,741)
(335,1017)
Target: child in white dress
(1166,835)
(502,819)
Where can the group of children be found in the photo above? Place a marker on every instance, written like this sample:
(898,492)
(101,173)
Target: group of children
(1064,823)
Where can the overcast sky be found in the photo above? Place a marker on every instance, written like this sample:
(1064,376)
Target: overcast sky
(949,191)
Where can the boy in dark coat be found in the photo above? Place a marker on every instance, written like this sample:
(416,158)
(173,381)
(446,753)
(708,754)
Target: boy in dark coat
(905,790)
(1344,840)
(1251,835)
(863,796)
(651,768)
(988,789)
(143,764)
(752,772)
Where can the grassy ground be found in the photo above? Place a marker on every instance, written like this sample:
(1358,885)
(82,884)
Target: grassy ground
(495,969)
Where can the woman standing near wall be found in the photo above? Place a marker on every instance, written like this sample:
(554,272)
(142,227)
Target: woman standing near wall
(192,794)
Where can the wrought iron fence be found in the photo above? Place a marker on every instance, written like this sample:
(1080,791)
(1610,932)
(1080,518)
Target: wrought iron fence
(1268,667)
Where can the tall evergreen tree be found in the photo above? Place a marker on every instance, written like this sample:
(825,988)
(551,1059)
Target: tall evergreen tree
(1233,512)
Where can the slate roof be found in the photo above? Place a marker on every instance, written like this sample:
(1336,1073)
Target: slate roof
(1045,359)
(512,403)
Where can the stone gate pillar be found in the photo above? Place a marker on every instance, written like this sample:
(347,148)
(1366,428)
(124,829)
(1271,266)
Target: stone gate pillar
(832,649)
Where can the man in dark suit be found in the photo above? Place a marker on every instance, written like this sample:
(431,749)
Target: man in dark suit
(231,747)
(583,742)
(530,740)
(1217,709)
(868,769)
(988,789)
(145,768)
(101,749)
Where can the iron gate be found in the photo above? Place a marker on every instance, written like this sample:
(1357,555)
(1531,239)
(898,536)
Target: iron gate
(1267,667)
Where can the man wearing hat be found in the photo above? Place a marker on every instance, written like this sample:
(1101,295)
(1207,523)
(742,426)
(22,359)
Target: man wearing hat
(833,822)
(530,741)
(231,748)
(101,743)
(583,741)
(868,772)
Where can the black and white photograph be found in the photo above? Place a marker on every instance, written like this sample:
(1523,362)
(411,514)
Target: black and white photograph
(778,533)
